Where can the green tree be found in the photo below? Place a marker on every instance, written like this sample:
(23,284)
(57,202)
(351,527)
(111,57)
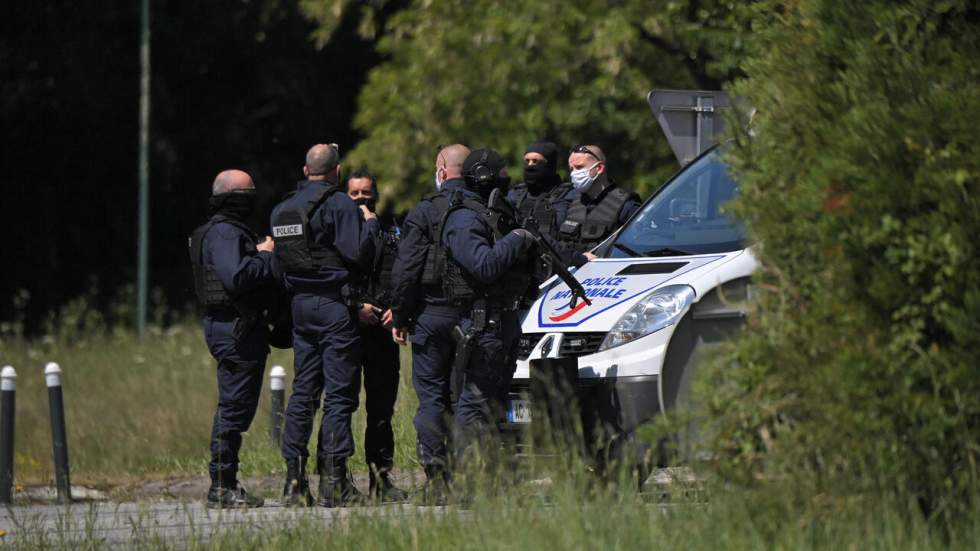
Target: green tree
(505,73)
(860,187)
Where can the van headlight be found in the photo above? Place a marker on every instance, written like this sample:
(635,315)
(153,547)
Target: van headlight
(653,312)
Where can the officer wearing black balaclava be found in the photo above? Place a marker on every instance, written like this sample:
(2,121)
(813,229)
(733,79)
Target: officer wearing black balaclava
(542,195)
(233,278)
(545,198)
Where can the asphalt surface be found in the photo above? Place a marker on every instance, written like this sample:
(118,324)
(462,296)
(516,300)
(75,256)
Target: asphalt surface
(173,512)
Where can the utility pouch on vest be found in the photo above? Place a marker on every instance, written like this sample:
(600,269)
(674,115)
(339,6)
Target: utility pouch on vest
(569,228)
(593,231)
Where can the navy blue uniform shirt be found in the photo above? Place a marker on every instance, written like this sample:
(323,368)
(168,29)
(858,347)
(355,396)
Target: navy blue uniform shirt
(232,254)
(470,242)
(336,224)
(408,293)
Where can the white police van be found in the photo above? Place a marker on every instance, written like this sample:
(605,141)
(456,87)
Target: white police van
(672,282)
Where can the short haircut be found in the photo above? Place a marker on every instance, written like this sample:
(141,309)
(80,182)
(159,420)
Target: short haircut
(363,172)
(321,159)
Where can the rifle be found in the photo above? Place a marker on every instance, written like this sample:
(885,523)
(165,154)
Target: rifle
(499,204)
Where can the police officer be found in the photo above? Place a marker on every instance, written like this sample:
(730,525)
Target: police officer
(232,277)
(545,198)
(320,235)
(487,273)
(381,365)
(542,195)
(602,206)
(419,306)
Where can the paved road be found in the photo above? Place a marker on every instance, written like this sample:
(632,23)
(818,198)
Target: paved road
(124,524)
(186,520)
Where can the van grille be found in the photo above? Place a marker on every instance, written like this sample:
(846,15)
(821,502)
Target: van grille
(526,343)
(580,344)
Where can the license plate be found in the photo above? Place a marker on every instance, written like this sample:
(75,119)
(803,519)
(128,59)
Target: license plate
(518,411)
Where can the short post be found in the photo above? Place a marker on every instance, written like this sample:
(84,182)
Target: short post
(59,436)
(277,384)
(8,395)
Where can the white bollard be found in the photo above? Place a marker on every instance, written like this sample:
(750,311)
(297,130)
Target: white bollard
(277,384)
(59,435)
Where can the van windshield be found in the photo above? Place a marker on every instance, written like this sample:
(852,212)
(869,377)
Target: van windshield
(687,216)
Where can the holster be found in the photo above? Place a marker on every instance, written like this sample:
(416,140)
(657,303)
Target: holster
(243,326)
(465,343)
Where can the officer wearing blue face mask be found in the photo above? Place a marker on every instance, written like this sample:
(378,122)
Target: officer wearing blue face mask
(233,280)
(602,206)
(321,236)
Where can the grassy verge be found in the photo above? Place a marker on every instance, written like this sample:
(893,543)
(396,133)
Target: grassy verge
(143,409)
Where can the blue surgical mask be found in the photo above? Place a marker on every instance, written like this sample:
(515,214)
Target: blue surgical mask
(582,178)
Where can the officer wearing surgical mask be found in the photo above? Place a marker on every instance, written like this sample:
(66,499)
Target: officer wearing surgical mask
(233,280)
(601,208)
(423,316)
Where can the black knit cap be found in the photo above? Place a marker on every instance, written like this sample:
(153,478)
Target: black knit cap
(548,150)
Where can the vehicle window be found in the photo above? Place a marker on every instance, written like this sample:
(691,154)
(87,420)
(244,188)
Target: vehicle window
(687,216)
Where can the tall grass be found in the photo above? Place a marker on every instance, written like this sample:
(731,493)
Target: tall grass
(139,409)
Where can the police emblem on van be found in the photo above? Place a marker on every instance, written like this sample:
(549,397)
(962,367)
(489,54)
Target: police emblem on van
(286,231)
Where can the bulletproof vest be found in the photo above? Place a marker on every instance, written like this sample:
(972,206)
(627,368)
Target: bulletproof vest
(208,288)
(462,289)
(384,262)
(583,230)
(296,248)
(542,207)
(435,257)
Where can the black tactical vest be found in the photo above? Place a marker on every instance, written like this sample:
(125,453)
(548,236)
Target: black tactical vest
(541,208)
(208,288)
(296,250)
(435,258)
(379,287)
(462,289)
(583,230)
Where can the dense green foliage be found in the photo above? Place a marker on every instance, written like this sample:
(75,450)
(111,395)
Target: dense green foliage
(860,188)
(503,74)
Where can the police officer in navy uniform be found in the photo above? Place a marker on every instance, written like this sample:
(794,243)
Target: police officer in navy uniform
(487,274)
(321,236)
(542,195)
(234,277)
(545,198)
(602,206)
(419,307)
(381,363)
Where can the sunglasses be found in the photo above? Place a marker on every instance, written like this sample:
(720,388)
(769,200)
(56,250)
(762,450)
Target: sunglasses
(584,149)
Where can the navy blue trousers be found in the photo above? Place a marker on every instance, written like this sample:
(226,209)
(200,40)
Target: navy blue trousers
(380,362)
(326,353)
(433,350)
(485,381)
(241,366)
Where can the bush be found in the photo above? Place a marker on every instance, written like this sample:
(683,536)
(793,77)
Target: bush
(859,187)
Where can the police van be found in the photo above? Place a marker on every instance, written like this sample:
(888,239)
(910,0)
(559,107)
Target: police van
(666,287)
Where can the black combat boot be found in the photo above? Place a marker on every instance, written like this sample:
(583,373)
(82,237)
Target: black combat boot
(232,497)
(383,490)
(296,492)
(436,490)
(337,487)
